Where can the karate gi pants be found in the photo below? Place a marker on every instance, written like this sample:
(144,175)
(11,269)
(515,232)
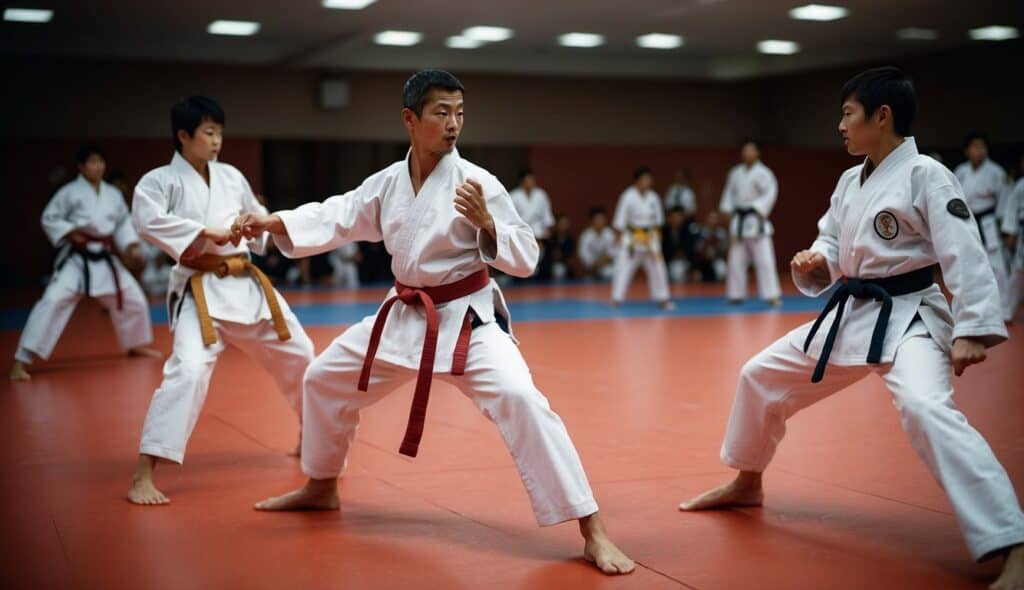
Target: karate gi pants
(761,252)
(626,263)
(776,384)
(176,404)
(498,382)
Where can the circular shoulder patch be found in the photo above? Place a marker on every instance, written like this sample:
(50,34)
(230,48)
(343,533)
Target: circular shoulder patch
(886,225)
(958,208)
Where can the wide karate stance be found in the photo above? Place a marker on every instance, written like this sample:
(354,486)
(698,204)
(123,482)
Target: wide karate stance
(444,221)
(891,220)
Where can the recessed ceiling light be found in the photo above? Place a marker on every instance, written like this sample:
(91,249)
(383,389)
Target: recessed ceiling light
(581,40)
(348,4)
(488,34)
(399,38)
(994,33)
(463,42)
(778,47)
(917,34)
(28,15)
(241,28)
(818,12)
(660,41)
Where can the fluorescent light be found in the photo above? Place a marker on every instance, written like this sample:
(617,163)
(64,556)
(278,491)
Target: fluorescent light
(462,42)
(917,34)
(241,28)
(580,40)
(818,12)
(399,38)
(994,33)
(488,34)
(660,41)
(348,4)
(28,15)
(778,47)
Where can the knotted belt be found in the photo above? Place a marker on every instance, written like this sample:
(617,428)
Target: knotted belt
(237,265)
(978,217)
(883,289)
(742,214)
(427,298)
(106,254)
(641,236)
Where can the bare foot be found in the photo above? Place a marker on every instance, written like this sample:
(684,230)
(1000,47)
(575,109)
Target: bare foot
(667,305)
(143,491)
(745,490)
(1012,577)
(599,550)
(18,372)
(145,352)
(775,302)
(317,494)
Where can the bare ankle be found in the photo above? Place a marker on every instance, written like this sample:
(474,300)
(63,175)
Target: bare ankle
(748,480)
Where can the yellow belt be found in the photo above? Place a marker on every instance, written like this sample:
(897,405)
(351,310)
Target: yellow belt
(236,266)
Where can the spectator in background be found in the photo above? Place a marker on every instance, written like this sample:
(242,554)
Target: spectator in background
(680,195)
(345,265)
(533,205)
(711,249)
(677,244)
(559,252)
(597,246)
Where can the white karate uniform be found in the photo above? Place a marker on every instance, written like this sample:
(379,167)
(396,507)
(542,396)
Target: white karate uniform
(1015,289)
(751,188)
(172,205)
(431,245)
(593,246)
(535,209)
(914,191)
(680,195)
(344,269)
(639,211)
(77,205)
(983,187)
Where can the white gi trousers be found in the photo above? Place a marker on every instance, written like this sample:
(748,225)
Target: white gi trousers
(776,384)
(179,399)
(497,380)
(760,251)
(998,262)
(50,315)
(626,263)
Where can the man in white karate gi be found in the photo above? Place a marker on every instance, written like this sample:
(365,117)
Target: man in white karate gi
(638,219)
(88,222)
(597,246)
(216,296)
(891,220)
(533,205)
(984,183)
(444,221)
(749,197)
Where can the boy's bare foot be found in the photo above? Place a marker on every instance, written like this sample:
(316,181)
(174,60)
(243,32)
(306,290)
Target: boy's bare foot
(667,305)
(317,494)
(19,373)
(145,352)
(745,490)
(599,550)
(143,491)
(1012,577)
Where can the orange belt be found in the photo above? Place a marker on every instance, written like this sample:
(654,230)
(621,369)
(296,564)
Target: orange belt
(427,298)
(237,265)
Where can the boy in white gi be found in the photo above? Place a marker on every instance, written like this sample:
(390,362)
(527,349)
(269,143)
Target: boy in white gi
(984,181)
(890,221)
(87,221)
(749,196)
(444,220)
(638,219)
(533,205)
(216,295)
(597,246)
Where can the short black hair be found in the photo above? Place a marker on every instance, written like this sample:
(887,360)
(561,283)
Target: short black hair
(595,211)
(188,113)
(87,151)
(750,140)
(975,135)
(641,171)
(677,209)
(524,173)
(884,86)
(417,88)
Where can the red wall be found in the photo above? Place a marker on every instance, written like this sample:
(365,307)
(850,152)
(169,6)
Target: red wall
(25,254)
(580,177)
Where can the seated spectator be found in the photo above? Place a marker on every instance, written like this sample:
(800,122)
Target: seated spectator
(597,247)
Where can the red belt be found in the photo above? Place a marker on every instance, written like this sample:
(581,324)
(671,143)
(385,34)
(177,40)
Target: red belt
(426,297)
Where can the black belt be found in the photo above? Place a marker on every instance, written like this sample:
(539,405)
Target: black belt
(742,215)
(883,290)
(87,255)
(978,217)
